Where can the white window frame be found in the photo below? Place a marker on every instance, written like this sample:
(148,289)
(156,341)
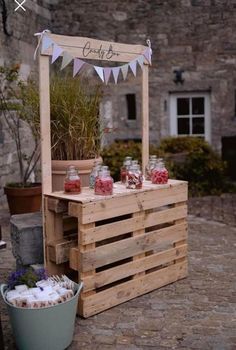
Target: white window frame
(207,114)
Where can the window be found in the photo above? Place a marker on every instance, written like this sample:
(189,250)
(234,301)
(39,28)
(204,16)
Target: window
(131,106)
(190,115)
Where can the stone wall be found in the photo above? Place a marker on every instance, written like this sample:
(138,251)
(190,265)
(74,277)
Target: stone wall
(195,35)
(17,45)
(218,208)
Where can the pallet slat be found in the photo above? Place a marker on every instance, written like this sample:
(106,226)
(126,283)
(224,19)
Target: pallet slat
(128,290)
(133,267)
(114,229)
(129,247)
(111,207)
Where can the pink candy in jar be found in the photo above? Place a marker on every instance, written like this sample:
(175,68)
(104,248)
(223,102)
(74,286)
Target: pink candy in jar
(72,182)
(104,183)
(160,174)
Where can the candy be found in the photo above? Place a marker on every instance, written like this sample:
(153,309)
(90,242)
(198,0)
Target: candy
(72,186)
(159,176)
(103,186)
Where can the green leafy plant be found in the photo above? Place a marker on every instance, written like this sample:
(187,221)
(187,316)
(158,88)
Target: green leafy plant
(187,158)
(19,104)
(75,121)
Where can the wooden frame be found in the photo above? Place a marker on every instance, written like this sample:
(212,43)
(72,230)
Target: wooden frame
(89,49)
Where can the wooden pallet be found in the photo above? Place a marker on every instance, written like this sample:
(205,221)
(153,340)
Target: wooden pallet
(122,246)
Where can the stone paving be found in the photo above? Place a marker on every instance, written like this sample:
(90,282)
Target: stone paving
(198,312)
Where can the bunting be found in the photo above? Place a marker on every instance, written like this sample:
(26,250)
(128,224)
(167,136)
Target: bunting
(104,73)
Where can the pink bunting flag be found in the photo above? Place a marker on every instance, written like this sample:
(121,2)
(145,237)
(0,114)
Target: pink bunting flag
(147,54)
(124,70)
(133,66)
(100,72)
(57,51)
(115,72)
(140,60)
(78,64)
(67,58)
(46,43)
(107,73)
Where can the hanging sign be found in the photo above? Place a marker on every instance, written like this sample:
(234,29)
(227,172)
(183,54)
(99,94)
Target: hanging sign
(100,52)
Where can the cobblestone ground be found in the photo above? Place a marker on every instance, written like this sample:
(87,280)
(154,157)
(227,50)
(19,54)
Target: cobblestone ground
(198,312)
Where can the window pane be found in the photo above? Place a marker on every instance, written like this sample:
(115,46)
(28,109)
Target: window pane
(183,126)
(198,125)
(198,105)
(131,106)
(183,106)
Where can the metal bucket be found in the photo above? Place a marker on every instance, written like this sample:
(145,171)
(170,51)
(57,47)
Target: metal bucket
(49,328)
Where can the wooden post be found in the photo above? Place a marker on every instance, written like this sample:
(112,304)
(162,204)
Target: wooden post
(44,93)
(145,118)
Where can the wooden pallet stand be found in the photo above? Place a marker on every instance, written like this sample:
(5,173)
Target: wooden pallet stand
(122,246)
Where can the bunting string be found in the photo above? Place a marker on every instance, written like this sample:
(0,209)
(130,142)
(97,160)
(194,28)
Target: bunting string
(104,73)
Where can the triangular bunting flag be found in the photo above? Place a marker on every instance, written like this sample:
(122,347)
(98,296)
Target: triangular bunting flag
(147,55)
(140,60)
(67,58)
(124,70)
(57,51)
(46,43)
(99,71)
(78,64)
(133,66)
(107,73)
(115,72)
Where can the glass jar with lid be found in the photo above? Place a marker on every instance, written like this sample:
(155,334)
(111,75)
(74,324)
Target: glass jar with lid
(94,173)
(134,177)
(150,166)
(104,183)
(124,169)
(72,183)
(160,173)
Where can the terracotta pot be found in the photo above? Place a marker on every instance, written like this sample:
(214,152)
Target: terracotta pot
(24,200)
(59,168)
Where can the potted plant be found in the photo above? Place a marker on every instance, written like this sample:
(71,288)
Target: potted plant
(75,126)
(19,106)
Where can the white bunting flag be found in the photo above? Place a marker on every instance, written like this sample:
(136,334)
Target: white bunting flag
(46,43)
(115,72)
(78,64)
(57,51)
(99,71)
(140,60)
(124,70)
(107,73)
(147,55)
(133,67)
(67,58)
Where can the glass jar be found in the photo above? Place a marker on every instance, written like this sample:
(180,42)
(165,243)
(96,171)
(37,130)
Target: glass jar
(72,183)
(134,177)
(94,174)
(124,169)
(104,183)
(150,166)
(160,173)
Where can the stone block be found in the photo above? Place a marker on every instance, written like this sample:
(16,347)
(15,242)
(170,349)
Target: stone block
(27,238)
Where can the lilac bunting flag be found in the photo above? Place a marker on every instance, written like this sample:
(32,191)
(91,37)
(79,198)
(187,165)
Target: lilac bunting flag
(133,66)
(124,70)
(67,58)
(115,72)
(57,51)
(46,43)
(99,71)
(140,60)
(78,64)
(147,55)
(107,73)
